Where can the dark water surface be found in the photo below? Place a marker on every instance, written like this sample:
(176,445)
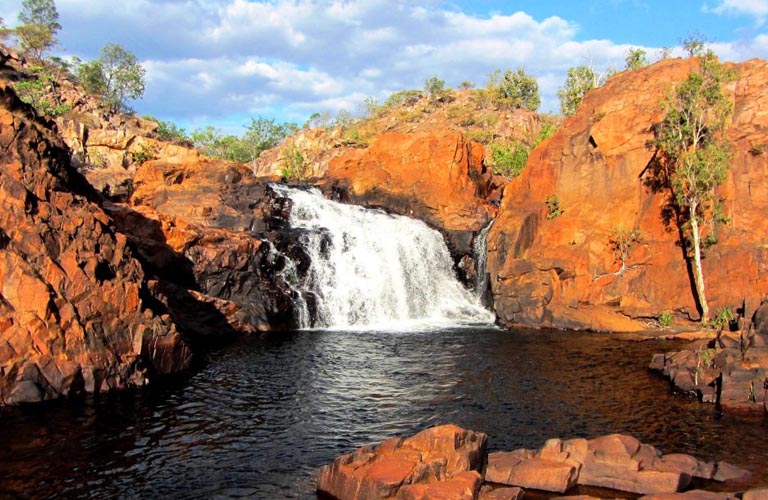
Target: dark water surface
(263,414)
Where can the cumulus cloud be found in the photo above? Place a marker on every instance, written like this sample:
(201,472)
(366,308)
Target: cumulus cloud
(753,8)
(217,59)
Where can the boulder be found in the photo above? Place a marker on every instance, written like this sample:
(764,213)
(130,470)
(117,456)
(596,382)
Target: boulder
(441,462)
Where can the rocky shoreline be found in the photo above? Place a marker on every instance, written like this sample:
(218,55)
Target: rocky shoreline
(449,462)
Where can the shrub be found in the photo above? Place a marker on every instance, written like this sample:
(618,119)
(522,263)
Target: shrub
(553,206)
(294,166)
(508,160)
(665,319)
(515,89)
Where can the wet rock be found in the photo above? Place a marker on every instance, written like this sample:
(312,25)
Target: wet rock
(438,461)
(439,178)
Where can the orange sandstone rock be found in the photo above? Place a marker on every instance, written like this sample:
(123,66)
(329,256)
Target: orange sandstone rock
(559,270)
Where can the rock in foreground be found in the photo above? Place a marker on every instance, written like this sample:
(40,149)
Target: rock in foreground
(441,462)
(450,462)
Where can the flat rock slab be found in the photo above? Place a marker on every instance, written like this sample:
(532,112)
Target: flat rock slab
(535,473)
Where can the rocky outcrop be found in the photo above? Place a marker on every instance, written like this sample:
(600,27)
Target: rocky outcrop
(210,229)
(105,147)
(73,302)
(615,462)
(728,368)
(549,252)
(438,178)
(442,462)
(450,462)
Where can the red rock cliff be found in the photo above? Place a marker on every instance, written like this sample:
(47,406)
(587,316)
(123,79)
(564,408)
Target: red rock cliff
(72,313)
(558,271)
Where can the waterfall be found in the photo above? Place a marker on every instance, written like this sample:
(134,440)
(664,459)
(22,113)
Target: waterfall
(373,270)
(480,246)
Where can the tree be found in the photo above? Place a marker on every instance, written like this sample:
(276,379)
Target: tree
(636,59)
(578,82)
(123,76)
(434,86)
(263,134)
(515,89)
(38,25)
(691,159)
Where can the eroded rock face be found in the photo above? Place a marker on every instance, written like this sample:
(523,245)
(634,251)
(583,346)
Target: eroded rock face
(551,268)
(210,227)
(72,298)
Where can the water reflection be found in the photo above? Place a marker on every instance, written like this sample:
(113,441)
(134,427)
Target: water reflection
(265,413)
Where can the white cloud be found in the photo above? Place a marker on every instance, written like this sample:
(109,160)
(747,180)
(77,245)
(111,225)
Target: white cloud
(753,8)
(216,59)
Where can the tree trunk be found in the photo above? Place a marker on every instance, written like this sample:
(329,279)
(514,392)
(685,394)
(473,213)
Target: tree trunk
(698,273)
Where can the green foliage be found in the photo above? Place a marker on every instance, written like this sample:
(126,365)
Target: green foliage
(514,89)
(578,82)
(466,85)
(38,25)
(371,107)
(91,77)
(553,206)
(692,158)
(636,59)
(123,76)
(434,87)
(144,153)
(344,119)
(260,135)
(665,319)
(404,98)
(319,120)
(41,93)
(695,45)
(723,317)
(622,240)
(168,131)
(294,167)
(508,160)
(706,357)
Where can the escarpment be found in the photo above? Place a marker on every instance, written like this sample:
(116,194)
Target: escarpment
(550,256)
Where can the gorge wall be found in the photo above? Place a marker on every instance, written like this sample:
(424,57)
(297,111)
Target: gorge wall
(561,272)
(73,302)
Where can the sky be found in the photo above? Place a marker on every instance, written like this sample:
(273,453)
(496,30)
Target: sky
(223,62)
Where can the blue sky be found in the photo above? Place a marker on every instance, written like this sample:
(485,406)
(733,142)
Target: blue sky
(220,62)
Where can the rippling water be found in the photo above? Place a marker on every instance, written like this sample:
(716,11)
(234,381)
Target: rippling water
(261,415)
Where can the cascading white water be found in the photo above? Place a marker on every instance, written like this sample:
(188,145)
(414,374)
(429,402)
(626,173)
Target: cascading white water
(481,258)
(372,270)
